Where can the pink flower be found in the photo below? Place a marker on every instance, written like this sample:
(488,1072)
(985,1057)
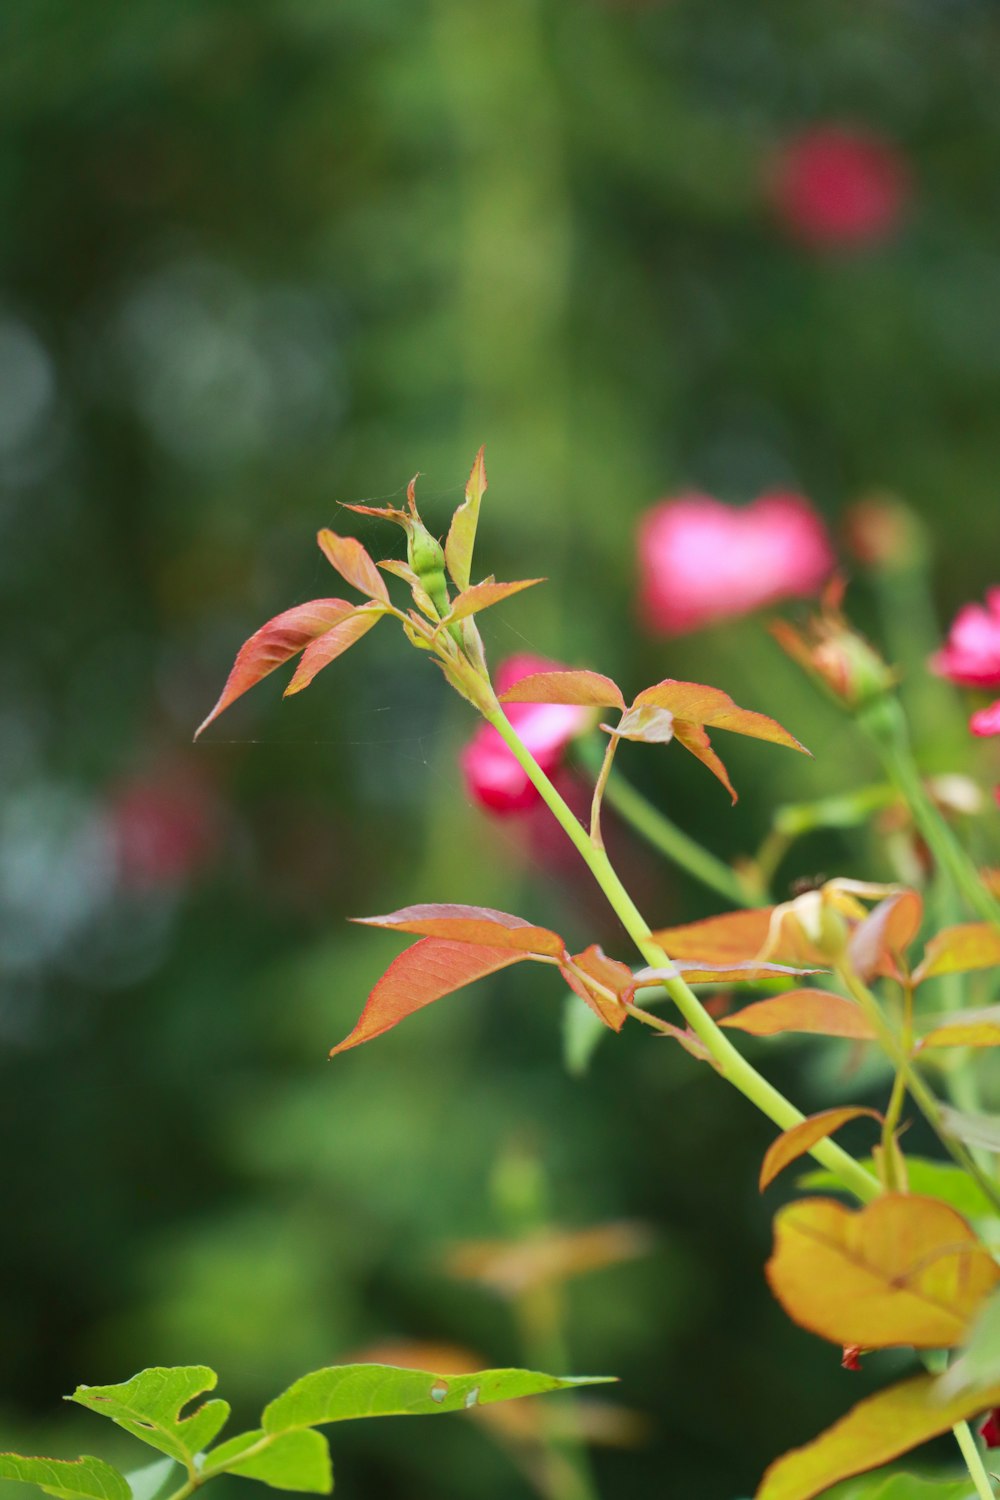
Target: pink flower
(493,777)
(971,657)
(837,188)
(701,560)
(987,720)
(165,825)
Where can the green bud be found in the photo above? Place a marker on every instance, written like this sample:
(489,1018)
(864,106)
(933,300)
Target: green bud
(426,557)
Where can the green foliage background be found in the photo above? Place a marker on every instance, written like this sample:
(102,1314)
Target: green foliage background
(263,255)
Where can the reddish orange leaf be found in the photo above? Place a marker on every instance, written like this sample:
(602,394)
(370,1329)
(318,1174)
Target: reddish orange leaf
(547,1257)
(334,643)
(813,1012)
(885,934)
(707,705)
(955,950)
(472,924)
(274,644)
(693,737)
(482,595)
(346,554)
(874,1432)
(603,983)
(588,689)
(462,532)
(696,973)
(793,1143)
(904,1269)
(737,937)
(432,968)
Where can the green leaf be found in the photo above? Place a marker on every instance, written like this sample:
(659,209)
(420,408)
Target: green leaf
(148,1406)
(582,1031)
(298,1460)
(343,1392)
(979,1363)
(882,1486)
(974,1130)
(934,1179)
(462,535)
(69,1478)
(147,1482)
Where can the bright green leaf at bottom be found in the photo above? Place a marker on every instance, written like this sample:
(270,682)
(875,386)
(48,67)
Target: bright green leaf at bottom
(297,1460)
(344,1392)
(148,1406)
(85,1477)
(902,1487)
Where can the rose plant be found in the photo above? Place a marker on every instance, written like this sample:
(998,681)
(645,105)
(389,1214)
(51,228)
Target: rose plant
(909,1261)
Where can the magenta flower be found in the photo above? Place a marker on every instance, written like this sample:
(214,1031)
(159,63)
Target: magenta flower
(492,775)
(986,721)
(701,560)
(971,657)
(839,188)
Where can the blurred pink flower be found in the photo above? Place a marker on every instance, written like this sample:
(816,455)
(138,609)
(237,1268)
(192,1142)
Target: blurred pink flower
(492,775)
(835,187)
(701,560)
(166,827)
(971,657)
(987,720)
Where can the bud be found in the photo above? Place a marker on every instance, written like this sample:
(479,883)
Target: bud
(885,534)
(426,558)
(831,651)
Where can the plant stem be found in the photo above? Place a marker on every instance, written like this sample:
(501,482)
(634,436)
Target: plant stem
(973,1461)
(671,841)
(730,1062)
(883,722)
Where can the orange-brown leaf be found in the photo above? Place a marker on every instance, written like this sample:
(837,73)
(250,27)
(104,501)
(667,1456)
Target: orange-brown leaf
(694,972)
(955,950)
(711,706)
(814,1012)
(548,1257)
(471,924)
(904,1269)
(432,968)
(603,983)
(326,648)
(274,644)
(738,937)
(586,689)
(885,934)
(694,738)
(348,556)
(482,595)
(793,1143)
(874,1432)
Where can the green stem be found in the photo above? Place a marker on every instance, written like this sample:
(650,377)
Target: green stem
(671,841)
(730,1062)
(884,723)
(974,1461)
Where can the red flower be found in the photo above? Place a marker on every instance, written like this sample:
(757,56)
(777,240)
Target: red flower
(990,1430)
(165,825)
(493,777)
(987,720)
(839,188)
(971,657)
(701,560)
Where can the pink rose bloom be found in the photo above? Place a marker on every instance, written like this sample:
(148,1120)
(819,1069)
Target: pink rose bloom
(838,188)
(971,657)
(701,560)
(493,777)
(987,720)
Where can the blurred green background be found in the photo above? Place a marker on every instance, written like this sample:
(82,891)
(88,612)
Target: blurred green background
(259,256)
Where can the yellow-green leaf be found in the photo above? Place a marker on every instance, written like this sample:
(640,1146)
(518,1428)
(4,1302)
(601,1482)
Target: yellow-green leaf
(462,533)
(793,1143)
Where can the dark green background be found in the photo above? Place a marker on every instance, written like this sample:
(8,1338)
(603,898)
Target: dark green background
(259,256)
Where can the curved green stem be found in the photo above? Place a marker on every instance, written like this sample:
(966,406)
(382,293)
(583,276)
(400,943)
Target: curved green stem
(729,1061)
(974,1461)
(671,841)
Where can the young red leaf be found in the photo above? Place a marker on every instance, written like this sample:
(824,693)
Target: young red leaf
(348,556)
(482,595)
(693,737)
(813,1012)
(472,924)
(885,934)
(903,1270)
(956,950)
(793,1143)
(695,972)
(586,689)
(707,705)
(603,983)
(873,1432)
(274,644)
(462,533)
(432,968)
(326,648)
(737,937)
